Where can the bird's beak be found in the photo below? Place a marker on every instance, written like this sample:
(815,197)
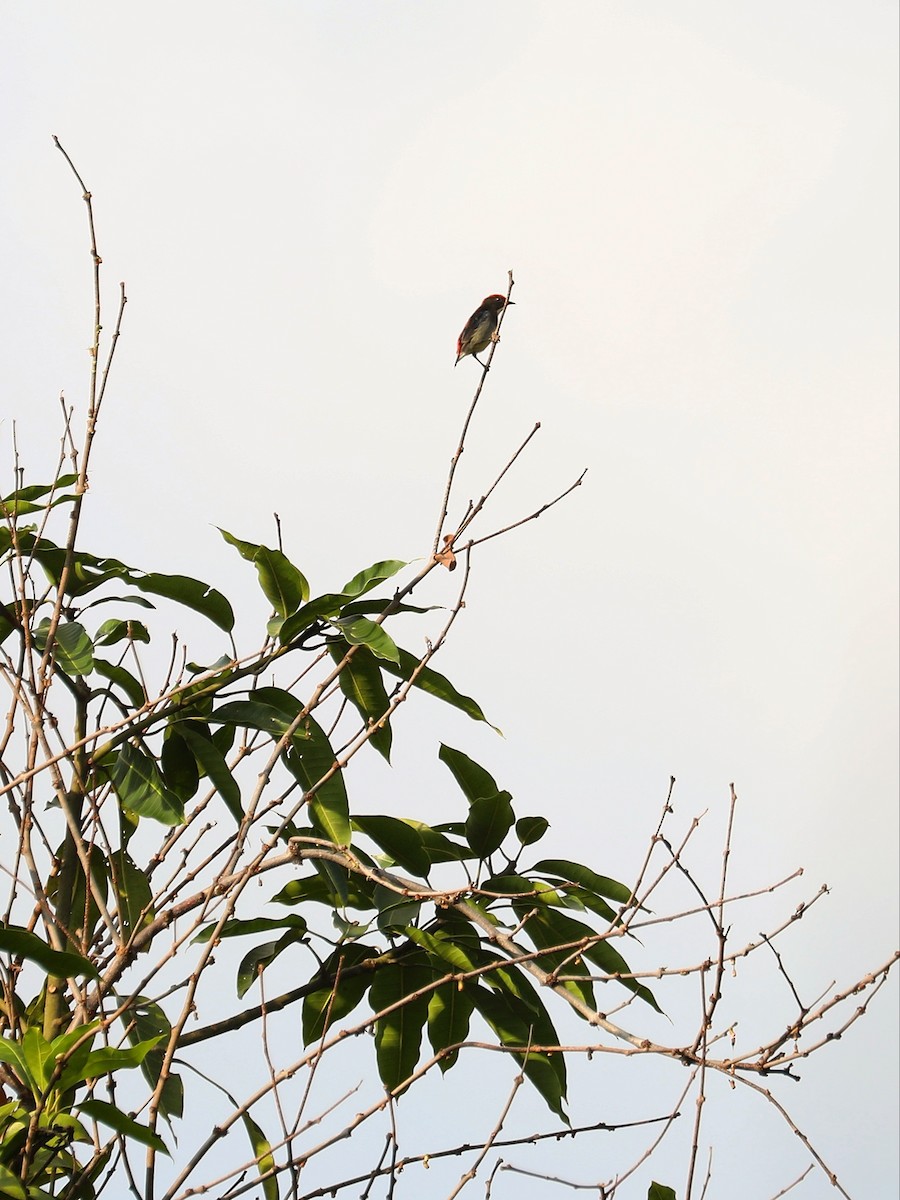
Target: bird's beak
(509,302)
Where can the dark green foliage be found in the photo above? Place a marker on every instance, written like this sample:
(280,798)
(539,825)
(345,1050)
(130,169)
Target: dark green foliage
(411,910)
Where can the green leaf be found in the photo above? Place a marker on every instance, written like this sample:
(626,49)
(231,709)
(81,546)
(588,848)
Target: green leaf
(541,1070)
(476,783)
(21,502)
(202,668)
(178,765)
(11,1052)
(89,572)
(133,891)
(39,1058)
(490,820)
(516,986)
(133,688)
(238,928)
(63,964)
(366,580)
(8,622)
(223,739)
(325,606)
(449,1012)
(331,885)
(549,930)
(398,840)
(190,593)
(398,1033)
(140,787)
(513,885)
(253,964)
(283,585)
(72,648)
(214,765)
(446,949)
(361,631)
(247,550)
(106,1060)
(349,930)
(34,491)
(513,1023)
(265,1159)
(252,714)
(12,1186)
(22,508)
(395,910)
(361,683)
(256,960)
(115,630)
(439,847)
(437,685)
(578,897)
(562,870)
(325,1007)
(659,1192)
(612,962)
(70,1051)
(145,1021)
(108,1114)
(376,605)
(140,601)
(309,759)
(531,829)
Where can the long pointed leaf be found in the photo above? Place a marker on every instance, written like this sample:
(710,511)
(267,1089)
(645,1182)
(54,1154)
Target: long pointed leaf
(310,759)
(562,868)
(265,1159)
(361,631)
(215,766)
(475,782)
(361,682)
(372,576)
(192,594)
(514,1026)
(61,963)
(140,787)
(108,1114)
(323,1008)
(283,585)
(449,1012)
(398,840)
(398,1034)
(489,821)
(437,685)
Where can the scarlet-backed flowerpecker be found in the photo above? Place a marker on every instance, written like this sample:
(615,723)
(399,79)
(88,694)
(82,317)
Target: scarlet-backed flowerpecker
(481,328)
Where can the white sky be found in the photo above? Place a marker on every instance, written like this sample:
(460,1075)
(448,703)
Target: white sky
(699,202)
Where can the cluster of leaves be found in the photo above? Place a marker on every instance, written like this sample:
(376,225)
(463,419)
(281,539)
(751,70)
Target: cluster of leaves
(53,1081)
(440,965)
(427,957)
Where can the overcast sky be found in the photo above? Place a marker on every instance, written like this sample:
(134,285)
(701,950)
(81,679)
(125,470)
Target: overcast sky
(699,204)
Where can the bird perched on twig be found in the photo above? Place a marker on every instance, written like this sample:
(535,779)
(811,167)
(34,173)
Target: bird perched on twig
(481,328)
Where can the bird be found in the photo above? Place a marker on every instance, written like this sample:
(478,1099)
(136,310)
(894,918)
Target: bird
(481,328)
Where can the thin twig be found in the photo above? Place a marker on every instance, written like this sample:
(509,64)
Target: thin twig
(457,455)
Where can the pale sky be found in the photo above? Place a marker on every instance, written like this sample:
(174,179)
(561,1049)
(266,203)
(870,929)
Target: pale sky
(699,203)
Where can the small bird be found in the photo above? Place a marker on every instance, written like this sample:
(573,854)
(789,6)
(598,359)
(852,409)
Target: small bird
(481,328)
